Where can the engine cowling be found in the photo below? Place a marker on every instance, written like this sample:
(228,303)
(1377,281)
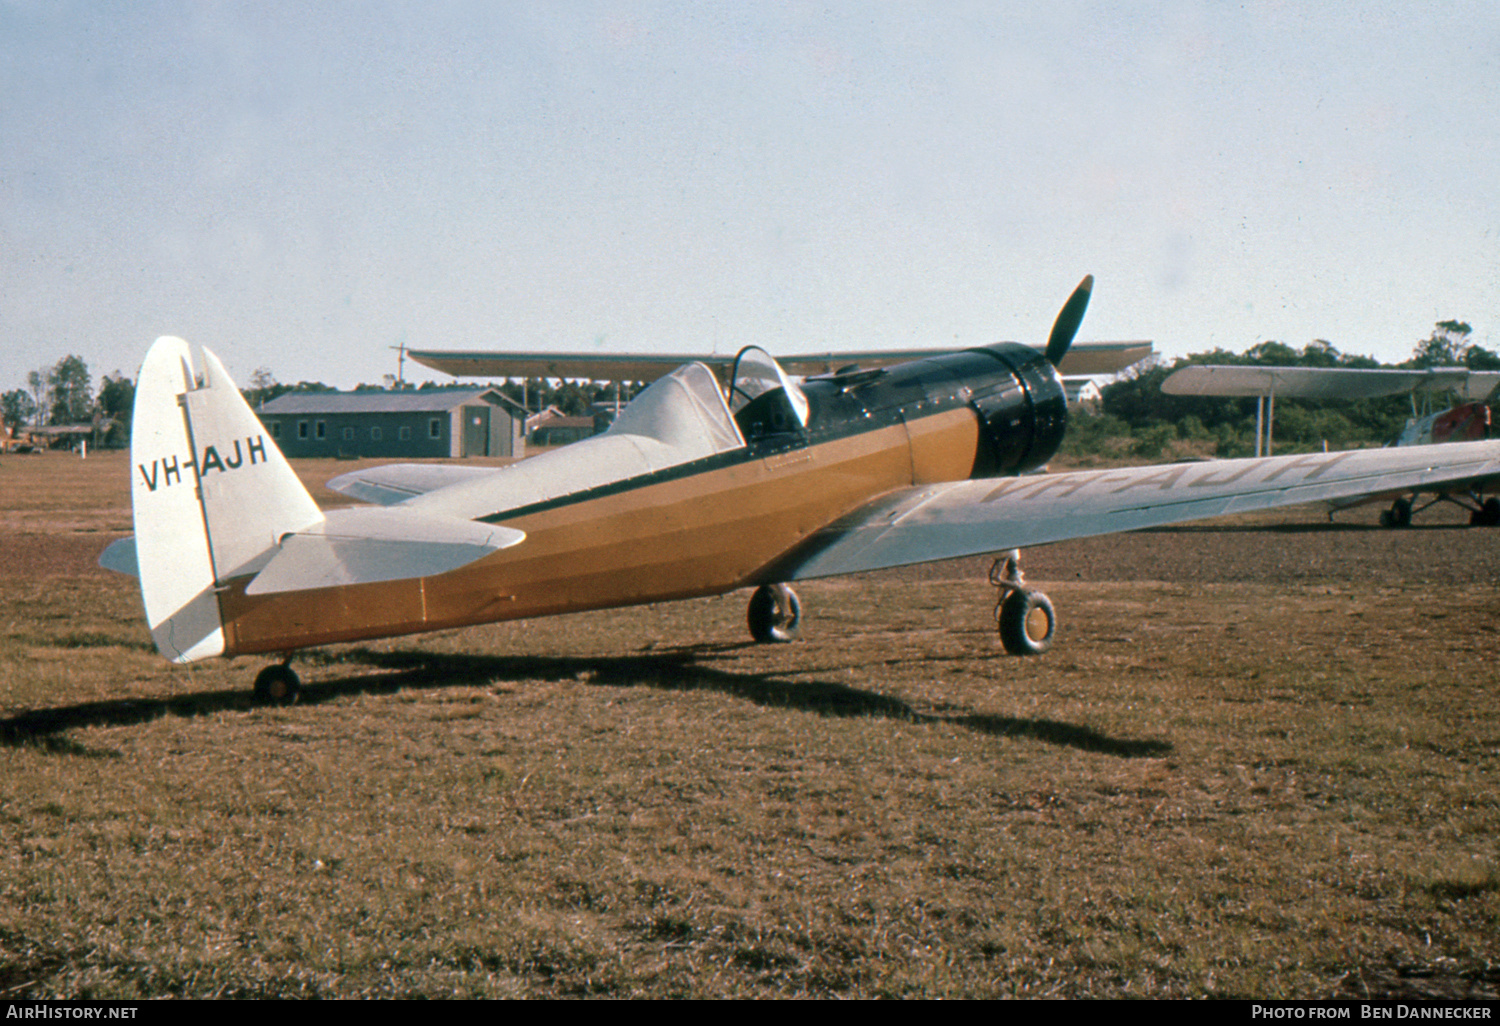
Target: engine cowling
(1022,408)
(1012,389)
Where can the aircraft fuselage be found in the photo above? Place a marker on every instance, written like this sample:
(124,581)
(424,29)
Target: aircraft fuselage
(710,526)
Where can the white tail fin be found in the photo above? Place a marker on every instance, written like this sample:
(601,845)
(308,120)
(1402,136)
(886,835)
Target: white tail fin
(211,493)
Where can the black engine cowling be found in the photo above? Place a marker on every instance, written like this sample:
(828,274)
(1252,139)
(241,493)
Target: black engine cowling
(1012,389)
(1023,413)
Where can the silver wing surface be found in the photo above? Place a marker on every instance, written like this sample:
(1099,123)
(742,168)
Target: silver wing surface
(966,518)
(1327,382)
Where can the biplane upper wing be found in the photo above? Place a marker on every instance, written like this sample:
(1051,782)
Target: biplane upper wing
(1327,382)
(966,518)
(1083,358)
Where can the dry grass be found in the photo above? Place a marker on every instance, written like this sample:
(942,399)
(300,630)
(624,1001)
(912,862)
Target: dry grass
(1241,789)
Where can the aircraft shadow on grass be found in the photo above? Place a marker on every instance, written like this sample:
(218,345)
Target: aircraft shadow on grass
(683,669)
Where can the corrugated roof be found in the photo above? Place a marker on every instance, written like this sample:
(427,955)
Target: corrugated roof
(431,400)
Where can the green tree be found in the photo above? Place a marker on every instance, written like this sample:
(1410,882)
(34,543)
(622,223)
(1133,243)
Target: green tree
(572,398)
(70,392)
(1445,347)
(36,381)
(263,388)
(1320,353)
(117,402)
(1481,359)
(1272,354)
(17,408)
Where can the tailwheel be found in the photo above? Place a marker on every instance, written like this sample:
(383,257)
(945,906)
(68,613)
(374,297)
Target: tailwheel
(1024,616)
(775,614)
(277,685)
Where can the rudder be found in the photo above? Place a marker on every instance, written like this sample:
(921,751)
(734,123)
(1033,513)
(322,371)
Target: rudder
(210,492)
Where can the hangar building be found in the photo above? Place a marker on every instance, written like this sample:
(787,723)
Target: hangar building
(428,423)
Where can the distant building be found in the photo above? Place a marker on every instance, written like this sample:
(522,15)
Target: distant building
(1083,392)
(429,423)
(553,427)
(58,436)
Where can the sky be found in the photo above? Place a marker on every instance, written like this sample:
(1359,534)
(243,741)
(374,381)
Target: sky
(303,186)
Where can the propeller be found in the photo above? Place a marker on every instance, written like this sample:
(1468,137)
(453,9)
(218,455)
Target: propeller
(1068,320)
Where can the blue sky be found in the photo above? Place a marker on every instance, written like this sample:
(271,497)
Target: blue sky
(300,186)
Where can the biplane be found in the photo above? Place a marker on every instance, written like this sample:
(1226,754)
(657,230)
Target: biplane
(699,487)
(1468,419)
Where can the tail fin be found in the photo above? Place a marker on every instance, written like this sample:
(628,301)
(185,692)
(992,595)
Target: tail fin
(211,493)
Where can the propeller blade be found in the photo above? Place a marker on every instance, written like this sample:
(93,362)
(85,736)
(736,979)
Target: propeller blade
(1068,320)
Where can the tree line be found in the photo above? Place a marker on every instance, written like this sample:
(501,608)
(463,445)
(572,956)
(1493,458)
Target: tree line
(63,395)
(1135,416)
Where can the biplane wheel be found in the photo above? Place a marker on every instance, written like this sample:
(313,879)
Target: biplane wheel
(1399,515)
(775,614)
(1027,622)
(1487,515)
(277,685)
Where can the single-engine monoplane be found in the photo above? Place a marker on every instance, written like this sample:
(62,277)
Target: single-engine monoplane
(699,487)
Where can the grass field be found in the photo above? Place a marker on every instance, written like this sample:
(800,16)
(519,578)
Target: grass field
(1276,786)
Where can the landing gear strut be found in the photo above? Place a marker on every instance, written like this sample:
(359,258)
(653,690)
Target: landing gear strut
(277,685)
(775,614)
(1025,617)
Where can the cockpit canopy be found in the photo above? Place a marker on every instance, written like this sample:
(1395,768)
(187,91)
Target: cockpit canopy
(765,402)
(680,418)
(685,411)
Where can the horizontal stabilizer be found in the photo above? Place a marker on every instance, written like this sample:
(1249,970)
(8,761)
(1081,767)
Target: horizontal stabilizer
(367,544)
(120,557)
(391,483)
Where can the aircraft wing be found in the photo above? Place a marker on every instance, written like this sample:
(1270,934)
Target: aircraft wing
(1327,382)
(967,518)
(1082,359)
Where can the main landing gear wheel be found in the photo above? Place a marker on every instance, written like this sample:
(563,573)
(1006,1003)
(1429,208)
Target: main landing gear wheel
(277,685)
(775,614)
(1024,616)
(1027,622)
(1399,515)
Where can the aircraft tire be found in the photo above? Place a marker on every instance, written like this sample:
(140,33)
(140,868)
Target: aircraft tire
(1487,515)
(1022,617)
(775,614)
(277,685)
